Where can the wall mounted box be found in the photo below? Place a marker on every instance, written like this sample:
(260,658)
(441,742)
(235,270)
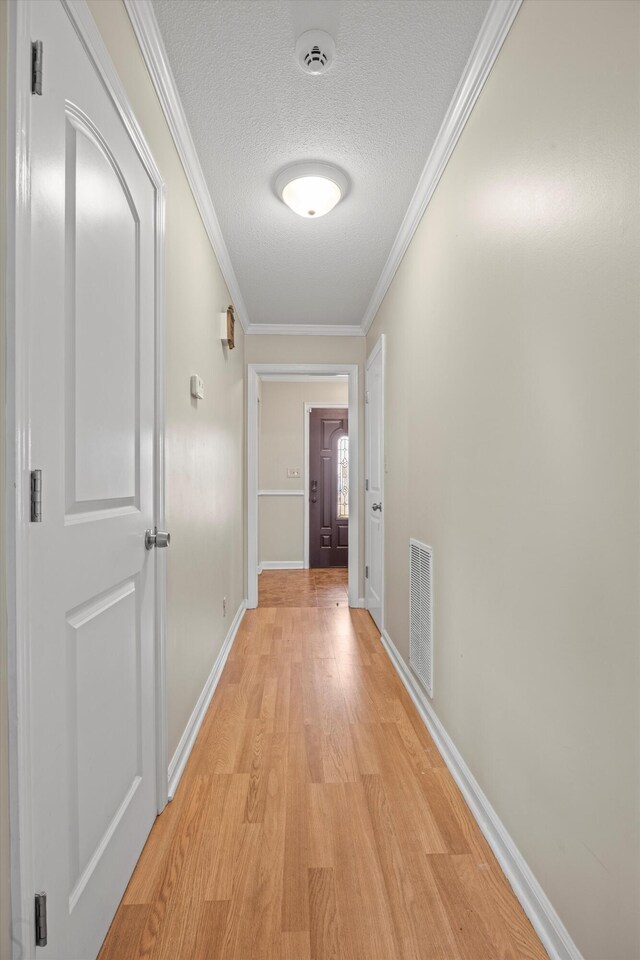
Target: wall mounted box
(226,323)
(197,387)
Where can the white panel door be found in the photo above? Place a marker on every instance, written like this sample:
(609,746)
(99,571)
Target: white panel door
(91,580)
(374,483)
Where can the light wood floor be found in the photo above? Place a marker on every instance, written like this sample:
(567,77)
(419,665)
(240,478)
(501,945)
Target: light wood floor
(303,588)
(315,818)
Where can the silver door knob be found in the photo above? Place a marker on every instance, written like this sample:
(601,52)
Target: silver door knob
(156,539)
(376,506)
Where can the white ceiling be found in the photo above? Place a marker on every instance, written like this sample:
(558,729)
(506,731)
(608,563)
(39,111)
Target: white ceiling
(376,113)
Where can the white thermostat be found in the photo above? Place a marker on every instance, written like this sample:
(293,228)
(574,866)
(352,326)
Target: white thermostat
(197,387)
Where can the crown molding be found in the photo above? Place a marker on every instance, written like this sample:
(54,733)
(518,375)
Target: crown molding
(495,27)
(147,32)
(305,330)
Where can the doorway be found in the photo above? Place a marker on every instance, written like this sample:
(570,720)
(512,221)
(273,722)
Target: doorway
(257,374)
(374,484)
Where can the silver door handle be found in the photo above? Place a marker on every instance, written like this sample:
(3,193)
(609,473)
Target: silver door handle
(376,506)
(156,539)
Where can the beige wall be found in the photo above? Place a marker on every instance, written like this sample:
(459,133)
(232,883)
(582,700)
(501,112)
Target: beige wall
(261,348)
(204,439)
(512,426)
(5,902)
(281,445)
(280,530)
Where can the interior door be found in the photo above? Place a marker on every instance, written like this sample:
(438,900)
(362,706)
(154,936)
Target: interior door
(328,487)
(374,483)
(90,579)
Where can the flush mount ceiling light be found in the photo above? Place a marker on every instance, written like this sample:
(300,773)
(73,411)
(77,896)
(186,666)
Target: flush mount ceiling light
(311,189)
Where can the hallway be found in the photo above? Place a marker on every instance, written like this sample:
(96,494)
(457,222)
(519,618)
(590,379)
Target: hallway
(315,818)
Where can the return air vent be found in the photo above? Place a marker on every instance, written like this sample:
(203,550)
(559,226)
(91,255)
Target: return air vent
(315,51)
(421,613)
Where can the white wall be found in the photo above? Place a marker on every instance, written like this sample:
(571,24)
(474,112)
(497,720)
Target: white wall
(281,445)
(260,348)
(204,439)
(512,435)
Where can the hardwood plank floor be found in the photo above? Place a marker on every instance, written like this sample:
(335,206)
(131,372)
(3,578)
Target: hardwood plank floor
(303,588)
(315,819)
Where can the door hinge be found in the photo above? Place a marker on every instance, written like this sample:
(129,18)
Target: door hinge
(36,496)
(366,573)
(366,396)
(36,67)
(41,919)
(366,484)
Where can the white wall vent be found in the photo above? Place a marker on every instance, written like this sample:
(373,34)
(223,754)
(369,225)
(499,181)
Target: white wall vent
(421,613)
(315,51)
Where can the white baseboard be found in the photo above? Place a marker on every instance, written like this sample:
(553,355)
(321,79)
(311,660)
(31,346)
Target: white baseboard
(546,922)
(359,604)
(188,738)
(281,565)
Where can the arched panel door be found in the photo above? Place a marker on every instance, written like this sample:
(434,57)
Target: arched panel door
(91,582)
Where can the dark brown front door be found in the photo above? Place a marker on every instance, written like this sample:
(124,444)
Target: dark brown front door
(328,488)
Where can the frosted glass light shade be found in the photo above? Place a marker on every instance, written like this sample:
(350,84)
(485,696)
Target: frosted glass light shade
(311,196)
(311,189)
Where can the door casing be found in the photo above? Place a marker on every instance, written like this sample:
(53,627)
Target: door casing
(297,371)
(17,503)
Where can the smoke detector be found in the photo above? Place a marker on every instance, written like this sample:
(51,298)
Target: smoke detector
(315,51)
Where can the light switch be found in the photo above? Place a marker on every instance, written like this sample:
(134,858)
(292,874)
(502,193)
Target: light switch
(293,473)
(197,387)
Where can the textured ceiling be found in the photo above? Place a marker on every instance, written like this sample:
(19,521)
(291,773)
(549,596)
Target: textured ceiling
(375,113)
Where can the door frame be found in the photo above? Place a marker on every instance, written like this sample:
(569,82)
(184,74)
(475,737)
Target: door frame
(17,438)
(308,407)
(379,347)
(298,371)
